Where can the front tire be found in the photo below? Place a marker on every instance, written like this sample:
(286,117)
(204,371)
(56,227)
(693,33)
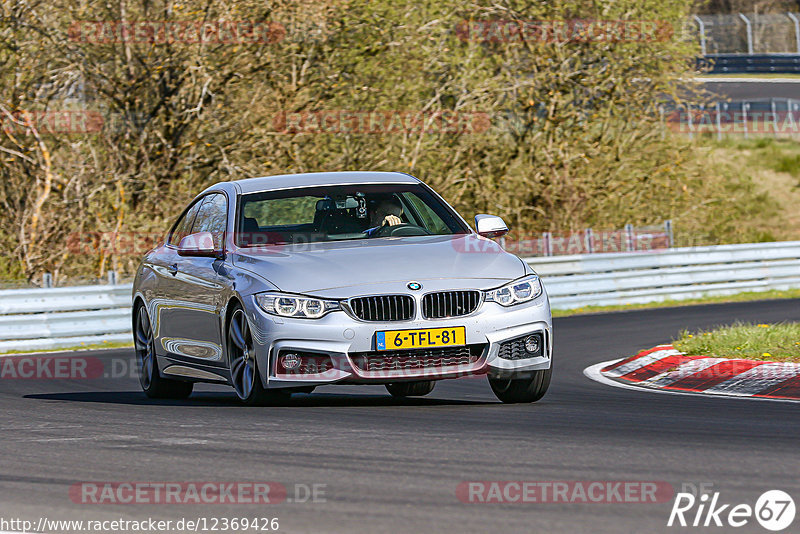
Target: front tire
(411,389)
(519,390)
(243,365)
(153,384)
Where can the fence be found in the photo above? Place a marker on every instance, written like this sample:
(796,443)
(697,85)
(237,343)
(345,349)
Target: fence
(751,34)
(41,319)
(752,43)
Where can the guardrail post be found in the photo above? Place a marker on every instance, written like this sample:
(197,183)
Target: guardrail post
(112,278)
(668,229)
(749,28)
(629,237)
(47,280)
(744,117)
(702,27)
(774,116)
(589,239)
(796,29)
(719,123)
(547,239)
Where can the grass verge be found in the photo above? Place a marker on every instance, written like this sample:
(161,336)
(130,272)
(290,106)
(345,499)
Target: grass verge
(92,346)
(767,342)
(739,297)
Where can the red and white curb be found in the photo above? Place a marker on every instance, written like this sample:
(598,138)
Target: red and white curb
(666,370)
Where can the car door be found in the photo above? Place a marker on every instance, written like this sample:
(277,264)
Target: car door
(191,292)
(165,268)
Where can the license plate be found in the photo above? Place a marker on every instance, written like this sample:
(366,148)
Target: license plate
(421,339)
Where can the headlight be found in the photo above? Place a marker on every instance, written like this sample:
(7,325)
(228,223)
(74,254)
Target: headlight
(286,305)
(518,291)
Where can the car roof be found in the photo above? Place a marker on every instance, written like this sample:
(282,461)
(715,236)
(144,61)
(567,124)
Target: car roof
(289,181)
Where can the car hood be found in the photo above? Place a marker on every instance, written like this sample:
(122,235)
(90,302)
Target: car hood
(330,268)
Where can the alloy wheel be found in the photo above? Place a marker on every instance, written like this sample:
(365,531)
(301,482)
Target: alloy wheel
(242,355)
(145,348)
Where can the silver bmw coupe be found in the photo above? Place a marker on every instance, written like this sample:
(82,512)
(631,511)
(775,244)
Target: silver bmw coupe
(280,284)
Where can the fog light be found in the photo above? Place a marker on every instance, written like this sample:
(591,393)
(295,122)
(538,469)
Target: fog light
(290,361)
(532,344)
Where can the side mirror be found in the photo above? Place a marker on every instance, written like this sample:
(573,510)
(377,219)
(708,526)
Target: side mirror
(490,226)
(199,244)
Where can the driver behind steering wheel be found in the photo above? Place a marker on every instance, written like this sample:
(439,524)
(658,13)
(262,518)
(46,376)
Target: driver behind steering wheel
(386,213)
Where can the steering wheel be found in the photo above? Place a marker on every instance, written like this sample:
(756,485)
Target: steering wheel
(400,230)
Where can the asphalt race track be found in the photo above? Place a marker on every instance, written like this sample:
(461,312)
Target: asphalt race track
(749,90)
(393,466)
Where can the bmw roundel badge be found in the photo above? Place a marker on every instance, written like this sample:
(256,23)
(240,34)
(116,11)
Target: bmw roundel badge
(414,286)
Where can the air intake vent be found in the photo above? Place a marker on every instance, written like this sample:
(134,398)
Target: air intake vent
(417,359)
(446,304)
(381,308)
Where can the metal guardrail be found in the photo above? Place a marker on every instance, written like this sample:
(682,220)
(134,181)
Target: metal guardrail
(674,274)
(750,63)
(43,319)
(50,318)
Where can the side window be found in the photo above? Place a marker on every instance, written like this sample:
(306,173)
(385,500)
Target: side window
(184,225)
(281,211)
(212,217)
(431,220)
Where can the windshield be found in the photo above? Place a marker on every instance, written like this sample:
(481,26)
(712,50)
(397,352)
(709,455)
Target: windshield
(343,212)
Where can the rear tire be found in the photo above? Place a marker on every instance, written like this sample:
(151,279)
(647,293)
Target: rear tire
(153,384)
(519,390)
(243,364)
(411,389)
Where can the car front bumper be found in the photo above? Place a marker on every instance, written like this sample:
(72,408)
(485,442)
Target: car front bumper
(343,338)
